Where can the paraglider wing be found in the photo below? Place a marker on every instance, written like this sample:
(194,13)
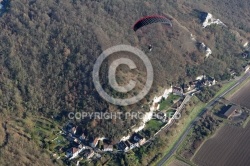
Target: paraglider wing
(150,20)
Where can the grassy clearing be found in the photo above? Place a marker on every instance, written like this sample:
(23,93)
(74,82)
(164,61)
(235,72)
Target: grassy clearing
(165,104)
(154,125)
(44,129)
(171,110)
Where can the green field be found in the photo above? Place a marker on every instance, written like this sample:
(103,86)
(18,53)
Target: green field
(154,125)
(167,103)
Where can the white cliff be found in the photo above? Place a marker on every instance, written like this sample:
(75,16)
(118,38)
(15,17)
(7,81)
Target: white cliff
(149,115)
(207,49)
(201,77)
(193,37)
(211,20)
(246,44)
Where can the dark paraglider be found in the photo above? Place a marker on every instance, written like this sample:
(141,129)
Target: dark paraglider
(150,20)
(147,20)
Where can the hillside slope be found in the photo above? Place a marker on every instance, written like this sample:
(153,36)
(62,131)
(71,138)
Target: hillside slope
(48,49)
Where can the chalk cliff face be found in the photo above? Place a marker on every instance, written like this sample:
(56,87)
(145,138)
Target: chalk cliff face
(211,20)
(208,50)
(149,115)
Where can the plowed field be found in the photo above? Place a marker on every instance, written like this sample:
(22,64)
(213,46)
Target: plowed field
(242,97)
(229,147)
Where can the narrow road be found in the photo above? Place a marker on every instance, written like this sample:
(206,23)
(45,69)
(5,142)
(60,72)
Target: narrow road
(211,103)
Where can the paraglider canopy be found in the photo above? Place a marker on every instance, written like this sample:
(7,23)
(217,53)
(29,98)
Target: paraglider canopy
(150,20)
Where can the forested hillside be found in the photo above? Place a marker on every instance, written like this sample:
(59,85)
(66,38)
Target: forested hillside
(48,48)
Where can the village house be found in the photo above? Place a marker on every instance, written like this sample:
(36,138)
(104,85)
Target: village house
(177,91)
(186,87)
(209,81)
(128,144)
(76,140)
(107,148)
(138,139)
(80,146)
(82,137)
(70,138)
(204,80)
(232,72)
(192,84)
(132,146)
(73,130)
(72,153)
(94,143)
(122,146)
(89,153)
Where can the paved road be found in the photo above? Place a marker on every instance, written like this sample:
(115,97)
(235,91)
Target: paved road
(211,103)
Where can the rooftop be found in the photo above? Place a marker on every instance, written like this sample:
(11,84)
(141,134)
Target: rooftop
(230,110)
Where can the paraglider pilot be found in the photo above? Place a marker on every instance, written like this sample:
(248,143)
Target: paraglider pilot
(150,47)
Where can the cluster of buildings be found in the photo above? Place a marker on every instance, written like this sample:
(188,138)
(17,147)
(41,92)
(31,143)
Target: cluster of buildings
(199,82)
(81,145)
(136,140)
(204,81)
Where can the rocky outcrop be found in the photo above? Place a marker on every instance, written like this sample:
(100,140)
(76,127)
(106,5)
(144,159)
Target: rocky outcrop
(209,20)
